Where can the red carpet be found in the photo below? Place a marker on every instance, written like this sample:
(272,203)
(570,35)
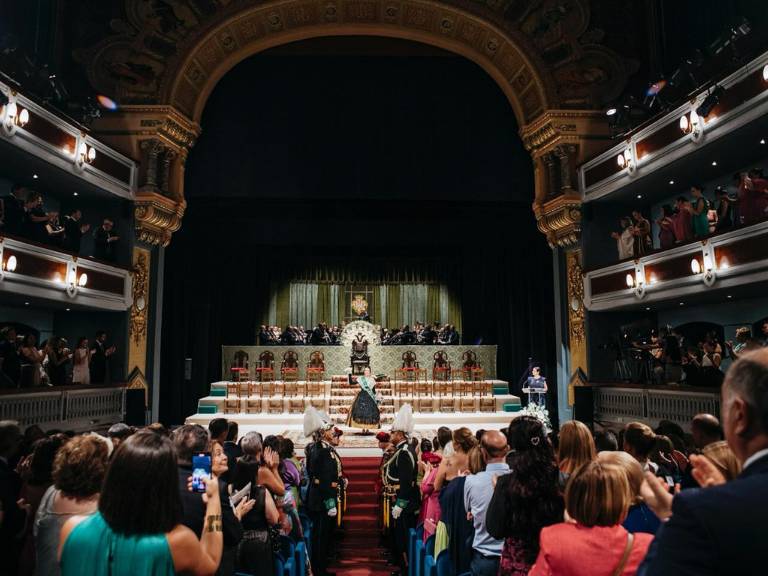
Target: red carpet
(359,549)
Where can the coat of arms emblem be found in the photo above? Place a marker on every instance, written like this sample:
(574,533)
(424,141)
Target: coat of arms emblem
(359,304)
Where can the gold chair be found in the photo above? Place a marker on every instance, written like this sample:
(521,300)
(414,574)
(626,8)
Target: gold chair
(467,405)
(275,406)
(254,388)
(318,403)
(253,406)
(488,404)
(481,387)
(443,387)
(233,389)
(463,387)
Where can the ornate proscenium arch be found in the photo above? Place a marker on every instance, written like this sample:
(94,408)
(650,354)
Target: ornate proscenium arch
(528,87)
(164,62)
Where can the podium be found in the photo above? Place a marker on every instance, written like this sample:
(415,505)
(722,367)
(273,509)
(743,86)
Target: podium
(536,395)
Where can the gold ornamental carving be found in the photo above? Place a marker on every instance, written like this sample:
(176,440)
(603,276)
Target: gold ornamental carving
(157,217)
(575,298)
(139,312)
(559,220)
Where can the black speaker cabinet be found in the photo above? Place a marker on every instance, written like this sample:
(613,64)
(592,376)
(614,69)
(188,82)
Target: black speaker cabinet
(135,410)
(584,404)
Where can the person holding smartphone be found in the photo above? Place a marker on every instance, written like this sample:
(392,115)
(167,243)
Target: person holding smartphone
(139,519)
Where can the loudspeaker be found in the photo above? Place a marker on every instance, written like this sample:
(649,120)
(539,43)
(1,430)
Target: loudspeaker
(135,410)
(584,404)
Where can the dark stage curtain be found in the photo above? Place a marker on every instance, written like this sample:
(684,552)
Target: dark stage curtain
(220,270)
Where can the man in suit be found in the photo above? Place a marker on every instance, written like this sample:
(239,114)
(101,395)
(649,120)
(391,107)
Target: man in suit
(100,358)
(324,483)
(74,230)
(719,529)
(14,214)
(105,241)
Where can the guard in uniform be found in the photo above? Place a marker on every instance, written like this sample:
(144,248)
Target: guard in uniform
(324,482)
(400,482)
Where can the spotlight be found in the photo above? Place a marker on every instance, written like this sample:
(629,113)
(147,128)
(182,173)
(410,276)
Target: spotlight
(762,140)
(639,196)
(714,162)
(671,182)
(712,100)
(34,176)
(684,124)
(106,102)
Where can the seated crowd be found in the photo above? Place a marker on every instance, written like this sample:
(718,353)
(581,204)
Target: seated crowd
(23,215)
(696,217)
(324,335)
(24,364)
(499,503)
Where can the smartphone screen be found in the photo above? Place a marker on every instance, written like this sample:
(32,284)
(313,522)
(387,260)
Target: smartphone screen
(201,471)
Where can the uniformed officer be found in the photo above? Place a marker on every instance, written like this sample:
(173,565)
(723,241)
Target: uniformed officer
(400,478)
(324,482)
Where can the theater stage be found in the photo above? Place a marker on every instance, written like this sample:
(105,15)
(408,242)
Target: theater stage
(271,408)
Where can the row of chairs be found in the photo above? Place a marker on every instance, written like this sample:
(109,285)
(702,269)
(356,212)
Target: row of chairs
(443,388)
(421,556)
(291,560)
(271,406)
(449,405)
(270,389)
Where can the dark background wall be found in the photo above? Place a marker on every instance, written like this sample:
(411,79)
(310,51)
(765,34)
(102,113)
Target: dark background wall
(341,157)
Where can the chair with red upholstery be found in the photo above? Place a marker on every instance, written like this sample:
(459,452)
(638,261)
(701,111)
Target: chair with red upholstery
(266,368)
(289,367)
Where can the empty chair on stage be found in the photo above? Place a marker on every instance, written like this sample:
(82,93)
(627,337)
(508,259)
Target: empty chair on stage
(471,368)
(316,367)
(441,367)
(289,367)
(266,368)
(239,367)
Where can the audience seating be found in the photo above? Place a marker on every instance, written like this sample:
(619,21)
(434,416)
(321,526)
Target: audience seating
(467,405)
(296,406)
(291,389)
(447,405)
(487,404)
(426,405)
(275,407)
(253,406)
(232,405)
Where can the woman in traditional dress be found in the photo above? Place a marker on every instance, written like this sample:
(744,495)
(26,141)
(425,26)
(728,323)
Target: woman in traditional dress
(364,413)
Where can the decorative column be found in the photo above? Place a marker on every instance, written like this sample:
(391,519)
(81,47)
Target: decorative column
(139,321)
(560,140)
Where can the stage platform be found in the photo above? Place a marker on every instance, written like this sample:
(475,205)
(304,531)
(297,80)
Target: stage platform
(275,409)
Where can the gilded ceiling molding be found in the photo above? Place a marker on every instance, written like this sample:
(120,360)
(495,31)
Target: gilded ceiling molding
(157,217)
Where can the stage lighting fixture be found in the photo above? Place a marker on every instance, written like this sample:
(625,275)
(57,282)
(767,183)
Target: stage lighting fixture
(106,102)
(611,111)
(712,100)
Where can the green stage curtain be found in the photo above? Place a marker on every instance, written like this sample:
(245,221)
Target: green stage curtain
(393,304)
(433,304)
(374,308)
(283,305)
(324,304)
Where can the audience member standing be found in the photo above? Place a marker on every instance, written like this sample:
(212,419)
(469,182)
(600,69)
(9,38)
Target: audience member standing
(105,241)
(592,541)
(640,518)
(137,529)
(31,361)
(81,370)
(100,355)
(699,209)
(10,363)
(74,230)
(683,223)
(58,357)
(525,500)
(478,491)
(14,211)
(641,230)
(724,210)
(625,242)
(639,440)
(666,227)
(13,515)
(714,530)
(575,448)
(37,218)
(78,473)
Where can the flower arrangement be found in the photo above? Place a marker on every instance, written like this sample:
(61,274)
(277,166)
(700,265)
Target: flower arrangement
(539,412)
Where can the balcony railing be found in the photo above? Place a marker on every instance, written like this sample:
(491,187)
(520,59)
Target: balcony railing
(37,271)
(74,408)
(679,133)
(618,405)
(730,259)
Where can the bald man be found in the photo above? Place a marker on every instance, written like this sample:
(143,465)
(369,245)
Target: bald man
(706,430)
(478,491)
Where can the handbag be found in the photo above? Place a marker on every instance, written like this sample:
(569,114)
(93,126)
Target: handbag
(625,556)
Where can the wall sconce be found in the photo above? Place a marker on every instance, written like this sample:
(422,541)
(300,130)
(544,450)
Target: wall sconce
(85,154)
(10,264)
(624,160)
(630,281)
(765,72)
(695,266)
(14,116)
(724,264)
(83,280)
(653,280)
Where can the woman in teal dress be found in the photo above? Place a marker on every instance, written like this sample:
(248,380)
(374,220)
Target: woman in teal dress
(364,413)
(136,529)
(700,210)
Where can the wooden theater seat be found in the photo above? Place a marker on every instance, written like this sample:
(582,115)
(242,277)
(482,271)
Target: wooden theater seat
(275,406)
(488,404)
(318,403)
(231,406)
(481,387)
(427,405)
(467,405)
(447,405)
(422,388)
(316,367)
(291,389)
(266,367)
(296,406)
(233,389)
(315,388)
(253,406)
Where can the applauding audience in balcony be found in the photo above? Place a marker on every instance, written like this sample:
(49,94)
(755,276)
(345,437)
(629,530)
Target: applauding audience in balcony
(641,230)
(699,209)
(10,362)
(683,220)
(666,227)
(58,356)
(81,370)
(14,212)
(725,210)
(31,362)
(100,355)
(753,197)
(625,241)
(105,241)
(37,218)
(74,230)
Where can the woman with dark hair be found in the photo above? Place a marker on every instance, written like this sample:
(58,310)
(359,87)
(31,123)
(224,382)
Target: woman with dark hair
(525,500)
(31,361)
(78,472)
(137,529)
(58,356)
(254,554)
(666,227)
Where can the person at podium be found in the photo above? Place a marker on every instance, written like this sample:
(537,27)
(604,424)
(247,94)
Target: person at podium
(536,386)
(364,412)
